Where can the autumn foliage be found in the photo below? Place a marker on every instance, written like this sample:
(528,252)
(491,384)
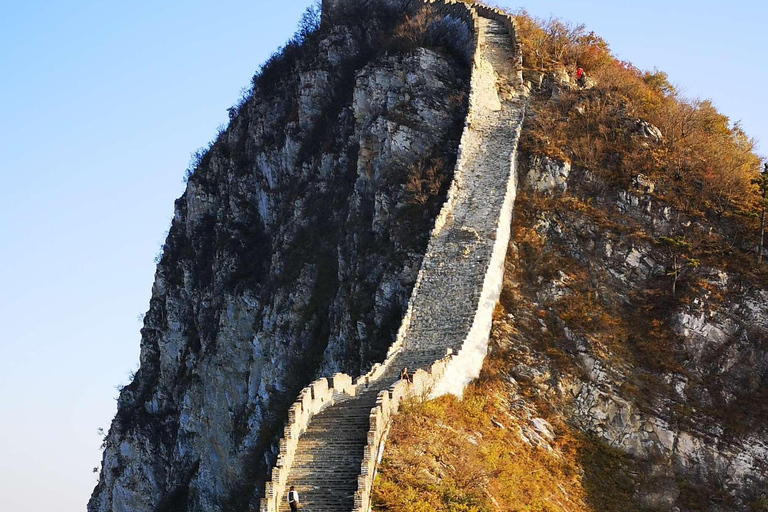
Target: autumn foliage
(704,163)
(473,456)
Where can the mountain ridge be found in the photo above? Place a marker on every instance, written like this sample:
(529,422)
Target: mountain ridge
(631,302)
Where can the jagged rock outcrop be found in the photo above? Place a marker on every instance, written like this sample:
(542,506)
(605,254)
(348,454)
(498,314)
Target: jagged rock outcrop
(648,131)
(547,175)
(291,255)
(678,383)
(295,249)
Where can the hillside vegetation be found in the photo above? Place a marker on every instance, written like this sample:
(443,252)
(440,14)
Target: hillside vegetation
(703,162)
(633,312)
(484,454)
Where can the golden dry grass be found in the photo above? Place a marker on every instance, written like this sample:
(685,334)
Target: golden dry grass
(469,456)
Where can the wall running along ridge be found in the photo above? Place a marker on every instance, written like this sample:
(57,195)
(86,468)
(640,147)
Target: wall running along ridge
(444,333)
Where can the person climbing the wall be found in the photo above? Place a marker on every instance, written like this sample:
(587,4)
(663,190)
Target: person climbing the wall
(581,78)
(293,499)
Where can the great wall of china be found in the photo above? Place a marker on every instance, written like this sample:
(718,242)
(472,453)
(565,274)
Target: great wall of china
(336,430)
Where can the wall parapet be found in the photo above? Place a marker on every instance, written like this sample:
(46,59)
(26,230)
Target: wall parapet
(509,22)
(313,399)
(387,405)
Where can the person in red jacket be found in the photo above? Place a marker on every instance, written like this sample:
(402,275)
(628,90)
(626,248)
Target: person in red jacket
(580,77)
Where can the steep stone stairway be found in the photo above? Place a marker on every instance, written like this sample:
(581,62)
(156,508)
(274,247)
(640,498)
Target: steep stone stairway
(460,251)
(330,452)
(453,283)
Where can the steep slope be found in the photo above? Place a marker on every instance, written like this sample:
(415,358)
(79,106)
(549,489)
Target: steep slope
(452,302)
(630,352)
(629,361)
(291,254)
(602,391)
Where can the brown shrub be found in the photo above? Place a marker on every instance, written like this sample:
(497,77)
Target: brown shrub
(468,456)
(424,181)
(427,28)
(704,163)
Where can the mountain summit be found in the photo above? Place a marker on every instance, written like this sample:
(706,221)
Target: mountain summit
(446,257)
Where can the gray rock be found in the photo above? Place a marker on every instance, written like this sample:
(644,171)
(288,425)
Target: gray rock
(720,329)
(291,256)
(644,184)
(648,131)
(546,175)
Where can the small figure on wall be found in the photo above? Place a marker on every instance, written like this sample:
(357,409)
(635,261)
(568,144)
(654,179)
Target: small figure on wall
(293,499)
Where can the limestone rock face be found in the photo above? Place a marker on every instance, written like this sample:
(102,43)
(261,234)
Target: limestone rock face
(547,175)
(291,256)
(648,131)
(678,383)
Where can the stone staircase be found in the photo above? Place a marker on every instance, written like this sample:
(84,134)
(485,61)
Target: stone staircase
(333,452)
(330,453)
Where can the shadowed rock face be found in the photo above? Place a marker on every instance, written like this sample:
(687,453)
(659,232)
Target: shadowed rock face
(291,255)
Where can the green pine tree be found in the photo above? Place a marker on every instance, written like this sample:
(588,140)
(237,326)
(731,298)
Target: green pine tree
(762,184)
(678,256)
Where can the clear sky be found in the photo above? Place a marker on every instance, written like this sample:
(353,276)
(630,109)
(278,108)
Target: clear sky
(101,104)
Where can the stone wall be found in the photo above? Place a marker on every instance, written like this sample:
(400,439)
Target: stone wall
(508,21)
(470,357)
(320,395)
(451,373)
(387,405)
(490,226)
(312,399)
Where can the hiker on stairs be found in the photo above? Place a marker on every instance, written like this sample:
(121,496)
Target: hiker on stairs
(293,499)
(404,375)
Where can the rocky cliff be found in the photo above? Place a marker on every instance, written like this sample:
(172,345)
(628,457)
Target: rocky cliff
(629,360)
(629,363)
(291,255)
(603,390)
(674,379)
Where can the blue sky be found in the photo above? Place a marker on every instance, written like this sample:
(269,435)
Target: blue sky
(101,104)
